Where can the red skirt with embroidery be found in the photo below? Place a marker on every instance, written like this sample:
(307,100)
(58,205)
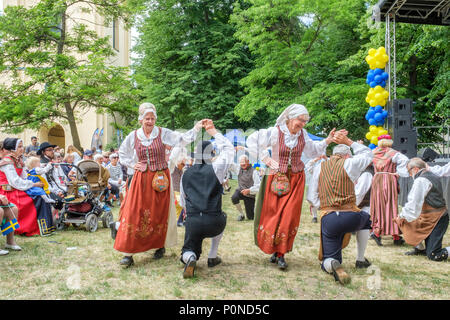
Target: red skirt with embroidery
(143,216)
(280,216)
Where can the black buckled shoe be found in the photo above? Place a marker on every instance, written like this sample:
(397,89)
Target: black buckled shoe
(127,261)
(282,263)
(362,264)
(377,239)
(273,258)
(339,273)
(159,253)
(189,268)
(416,252)
(212,262)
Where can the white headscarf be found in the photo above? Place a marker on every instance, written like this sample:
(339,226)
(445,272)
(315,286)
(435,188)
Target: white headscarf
(291,112)
(145,108)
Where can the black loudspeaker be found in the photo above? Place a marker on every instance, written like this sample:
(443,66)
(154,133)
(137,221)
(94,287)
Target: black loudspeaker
(400,124)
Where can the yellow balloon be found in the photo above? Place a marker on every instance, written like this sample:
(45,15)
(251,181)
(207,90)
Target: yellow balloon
(372,103)
(367,99)
(374,140)
(385,94)
(379,131)
(382,103)
(382,49)
(372,128)
(385,57)
(369,136)
(372,66)
(378,89)
(372,51)
(383,132)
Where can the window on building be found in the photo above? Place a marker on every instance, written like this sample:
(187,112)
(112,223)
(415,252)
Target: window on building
(115,34)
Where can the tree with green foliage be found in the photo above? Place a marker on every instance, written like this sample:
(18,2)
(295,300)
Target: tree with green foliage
(57,66)
(189,63)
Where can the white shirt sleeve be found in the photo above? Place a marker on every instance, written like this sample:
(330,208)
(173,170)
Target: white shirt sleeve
(225,158)
(401,160)
(358,163)
(441,171)
(182,195)
(256,182)
(127,154)
(313,149)
(43,170)
(13,178)
(362,185)
(258,144)
(312,194)
(416,197)
(174,138)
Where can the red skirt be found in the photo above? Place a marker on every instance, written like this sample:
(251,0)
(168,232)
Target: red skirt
(143,216)
(27,219)
(280,216)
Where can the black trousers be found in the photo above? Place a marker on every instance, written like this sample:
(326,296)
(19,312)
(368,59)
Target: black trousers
(335,226)
(199,226)
(249,203)
(433,244)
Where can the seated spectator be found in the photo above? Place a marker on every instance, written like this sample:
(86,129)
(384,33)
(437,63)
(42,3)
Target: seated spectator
(77,155)
(116,184)
(67,167)
(59,180)
(35,174)
(8,212)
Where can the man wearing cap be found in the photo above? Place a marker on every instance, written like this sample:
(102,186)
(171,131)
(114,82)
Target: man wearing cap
(277,211)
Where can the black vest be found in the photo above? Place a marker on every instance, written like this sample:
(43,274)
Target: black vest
(366,200)
(434,198)
(245,179)
(202,189)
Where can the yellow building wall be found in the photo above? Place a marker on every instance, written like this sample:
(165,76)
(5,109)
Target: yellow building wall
(90,121)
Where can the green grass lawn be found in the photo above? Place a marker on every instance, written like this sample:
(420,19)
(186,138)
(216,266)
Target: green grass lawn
(75,264)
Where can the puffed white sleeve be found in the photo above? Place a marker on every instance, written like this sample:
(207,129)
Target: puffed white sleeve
(175,138)
(225,159)
(313,149)
(258,144)
(312,194)
(401,160)
(362,186)
(441,171)
(416,197)
(13,178)
(256,182)
(362,157)
(127,154)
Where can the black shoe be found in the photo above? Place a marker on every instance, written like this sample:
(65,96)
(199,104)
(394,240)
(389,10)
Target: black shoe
(112,226)
(282,263)
(416,252)
(127,261)
(399,242)
(377,239)
(189,268)
(159,253)
(314,220)
(212,262)
(273,258)
(241,218)
(362,264)
(339,273)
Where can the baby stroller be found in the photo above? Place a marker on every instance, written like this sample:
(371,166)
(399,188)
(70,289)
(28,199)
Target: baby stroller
(83,204)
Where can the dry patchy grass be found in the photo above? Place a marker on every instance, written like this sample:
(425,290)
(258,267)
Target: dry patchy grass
(84,265)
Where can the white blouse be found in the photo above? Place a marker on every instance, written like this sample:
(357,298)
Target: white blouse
(16,181)
(401,160)
(259,142)
(127,154)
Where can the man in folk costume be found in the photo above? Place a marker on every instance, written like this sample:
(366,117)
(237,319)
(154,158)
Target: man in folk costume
(248,186)
(147,218)
(277,211)
(388,165)
(201,194)
(334,193)
(425,215)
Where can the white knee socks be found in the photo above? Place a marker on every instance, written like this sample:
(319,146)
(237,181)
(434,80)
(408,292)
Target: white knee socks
(239,208)
(187,255)
(362,237)
(214,246)
(327,265)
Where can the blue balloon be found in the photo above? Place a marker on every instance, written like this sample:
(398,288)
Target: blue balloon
(377,71)
(378,79)
(385,75)
(372,121)
(371,113)
(367,81)
(379,123)
(372,84)
(378,117)
(372,146)
(370,76)
(383,84)
(385,114)
(378,108)
(371,108)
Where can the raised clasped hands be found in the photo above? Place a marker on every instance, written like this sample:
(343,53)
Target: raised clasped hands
(340,137)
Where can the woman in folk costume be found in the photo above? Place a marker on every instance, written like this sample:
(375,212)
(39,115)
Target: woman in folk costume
(277,217)
(388,164)
(35,215)
(147,218)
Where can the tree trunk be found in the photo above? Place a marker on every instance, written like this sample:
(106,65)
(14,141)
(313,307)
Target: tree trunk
(73,126)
